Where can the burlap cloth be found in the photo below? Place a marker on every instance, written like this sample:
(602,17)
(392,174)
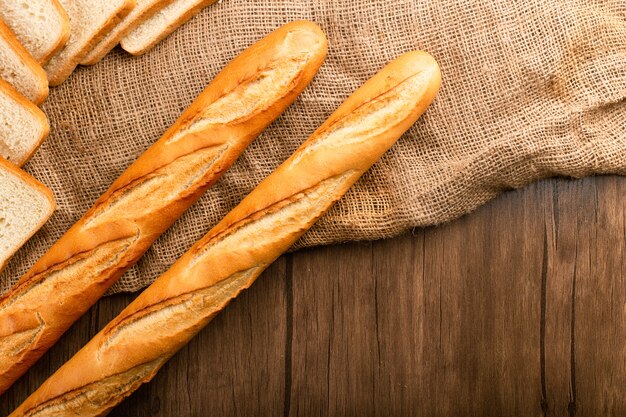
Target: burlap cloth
(531,89)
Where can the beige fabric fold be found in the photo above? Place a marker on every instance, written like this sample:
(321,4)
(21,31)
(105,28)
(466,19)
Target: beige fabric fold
(531,89)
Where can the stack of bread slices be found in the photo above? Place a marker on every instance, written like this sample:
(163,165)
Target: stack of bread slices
(41,43)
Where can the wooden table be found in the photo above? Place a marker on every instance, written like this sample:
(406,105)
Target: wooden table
(518,309)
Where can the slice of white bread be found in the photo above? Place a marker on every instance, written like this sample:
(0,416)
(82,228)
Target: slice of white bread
(162,24)
(144,10)
(23,126)
(90,21)
(41,26)
(20,69)
(25,205)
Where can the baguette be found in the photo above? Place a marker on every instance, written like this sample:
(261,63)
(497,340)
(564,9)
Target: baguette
(143,11)
(23,126)
(152,31)
(42,26)
(130,350)
(17,191)
(19,68)
(252,91)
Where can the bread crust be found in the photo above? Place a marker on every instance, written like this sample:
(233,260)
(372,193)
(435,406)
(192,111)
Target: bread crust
(154,191)
(64,36)
(135,345)
(42,56)
(115,36)
(166,31)
(58,74)
(39,187)
(24,56)
(7,89)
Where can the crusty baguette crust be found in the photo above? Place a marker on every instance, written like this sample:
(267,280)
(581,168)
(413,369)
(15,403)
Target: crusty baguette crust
(59,72)
(124,28)
(39,187)
(139,49)
(131,349)
(38,72)
(7,89)
(251,92)
(65,33)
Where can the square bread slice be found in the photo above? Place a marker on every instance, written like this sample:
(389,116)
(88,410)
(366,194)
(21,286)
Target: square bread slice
(41,26)
(23,126)
(161,25)
(90,21)
(19,68)
(25,205)
(144,10)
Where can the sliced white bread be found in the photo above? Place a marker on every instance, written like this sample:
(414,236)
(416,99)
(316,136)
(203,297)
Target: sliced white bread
(161,25)
(90,21)
(20,69)
(25,205)
(143,11)
(23,126)
(41,26)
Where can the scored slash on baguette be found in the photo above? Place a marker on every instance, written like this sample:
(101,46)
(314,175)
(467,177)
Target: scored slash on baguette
(42,26)
(170,312)
(144,10)
(23,126)
(19,68)
(240,102)
(19,190)
(162,24)
(90,21)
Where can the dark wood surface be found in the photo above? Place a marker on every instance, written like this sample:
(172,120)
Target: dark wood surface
(518,309)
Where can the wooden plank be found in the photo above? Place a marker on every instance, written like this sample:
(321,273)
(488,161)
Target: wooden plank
(561,201)
(334,346)
(483,344)
(450,305)
(585,337)
(598,348)
(402,308)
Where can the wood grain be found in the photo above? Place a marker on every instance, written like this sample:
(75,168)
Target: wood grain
(518,309)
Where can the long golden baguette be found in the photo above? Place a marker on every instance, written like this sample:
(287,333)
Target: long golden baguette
(252,91)
(131,349)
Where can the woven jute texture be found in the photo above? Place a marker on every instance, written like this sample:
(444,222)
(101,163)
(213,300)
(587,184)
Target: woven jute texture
(531,89)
